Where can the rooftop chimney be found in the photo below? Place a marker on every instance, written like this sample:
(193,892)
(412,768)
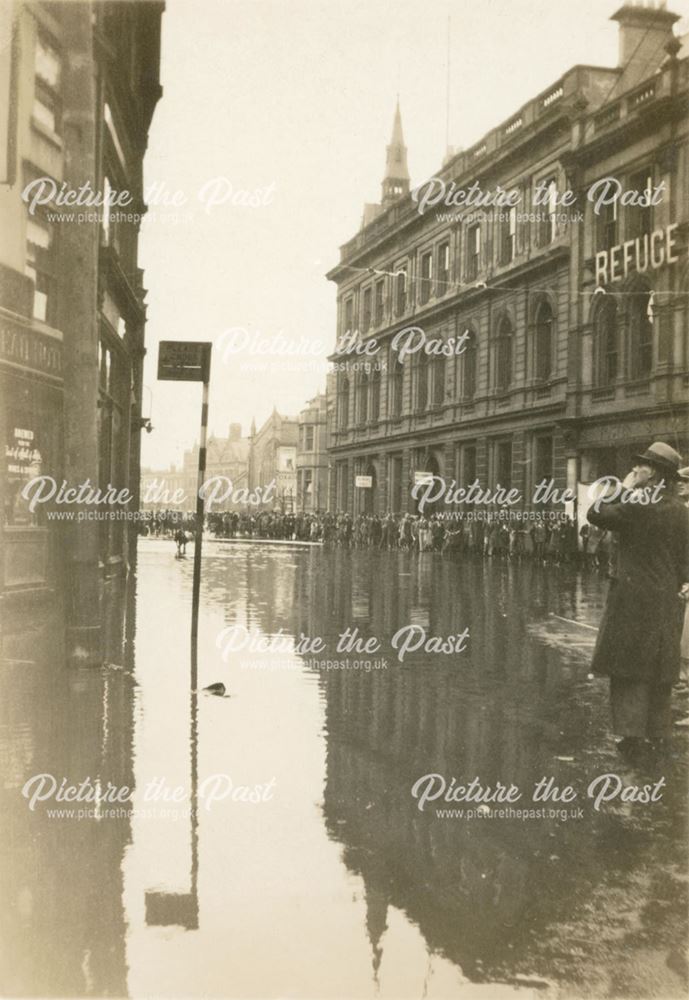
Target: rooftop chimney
(645,29)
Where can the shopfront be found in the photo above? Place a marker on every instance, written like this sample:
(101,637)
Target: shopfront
(31,430)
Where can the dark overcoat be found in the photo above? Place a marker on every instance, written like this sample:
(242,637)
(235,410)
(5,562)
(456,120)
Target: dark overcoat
(640,632)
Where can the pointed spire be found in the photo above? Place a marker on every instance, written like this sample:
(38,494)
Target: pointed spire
(396,179)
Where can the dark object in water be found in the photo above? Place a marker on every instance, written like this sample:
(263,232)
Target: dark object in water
(217,688)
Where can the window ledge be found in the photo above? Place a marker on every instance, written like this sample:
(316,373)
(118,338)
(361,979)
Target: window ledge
(52,137)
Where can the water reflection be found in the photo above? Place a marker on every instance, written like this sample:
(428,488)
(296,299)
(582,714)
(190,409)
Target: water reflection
(337,886)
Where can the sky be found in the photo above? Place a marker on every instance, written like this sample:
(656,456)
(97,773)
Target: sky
(271,135)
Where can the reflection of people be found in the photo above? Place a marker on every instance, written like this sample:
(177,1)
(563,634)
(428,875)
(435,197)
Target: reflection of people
(638,645)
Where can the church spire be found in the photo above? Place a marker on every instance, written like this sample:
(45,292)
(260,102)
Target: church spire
(396,179)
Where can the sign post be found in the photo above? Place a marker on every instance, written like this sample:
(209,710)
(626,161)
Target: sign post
(190,361)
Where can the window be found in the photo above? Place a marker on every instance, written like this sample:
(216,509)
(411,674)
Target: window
(396,385)
(362,399)
(375,395)
(468,357)
(343,402)
(40,268)
(503,355)
(348,314)
(607,227)
(605,339)
(401,290)
(379,302)
(639,219)
(508,235)
(468,471)
(545,233)
(443,279)
(503,464)
(544,341)
(426,277)
(438,381)
(47,73)
(366,318)
(308,437)
(422,369)
(543,459)
(473,251)
(640,336)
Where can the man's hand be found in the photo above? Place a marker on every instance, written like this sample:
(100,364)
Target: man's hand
(684,592)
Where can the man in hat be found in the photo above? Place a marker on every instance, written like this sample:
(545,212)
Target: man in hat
(638,645)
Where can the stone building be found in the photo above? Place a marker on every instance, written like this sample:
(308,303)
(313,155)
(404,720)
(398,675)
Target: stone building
(545,339)
(312,456)
(273,456)
(78,87)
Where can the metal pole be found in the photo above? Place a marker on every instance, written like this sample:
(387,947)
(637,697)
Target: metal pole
(198,541)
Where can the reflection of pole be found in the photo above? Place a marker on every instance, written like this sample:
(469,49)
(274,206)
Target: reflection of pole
(196,589)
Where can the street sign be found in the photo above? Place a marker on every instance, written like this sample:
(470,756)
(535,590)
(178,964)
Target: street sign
(364,482)
(184,360)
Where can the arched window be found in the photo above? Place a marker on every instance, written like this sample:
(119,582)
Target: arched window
(640,335)
(605,343)
(544,342)
(422,368)
(375,394)
(396,385)
(503,355)
(469,358)
(362,399)
(343,402)
(438,380)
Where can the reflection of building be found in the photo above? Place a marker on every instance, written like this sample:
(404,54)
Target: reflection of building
(312,456)
(273,456)
(81,83)
(227,457)
(544,379)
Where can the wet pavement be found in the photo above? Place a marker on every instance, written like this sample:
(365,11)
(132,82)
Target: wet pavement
(317,875)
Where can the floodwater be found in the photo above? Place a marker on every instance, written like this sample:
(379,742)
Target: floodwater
(332,882)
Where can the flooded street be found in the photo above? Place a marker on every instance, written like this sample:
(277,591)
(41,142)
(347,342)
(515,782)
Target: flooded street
(294,860)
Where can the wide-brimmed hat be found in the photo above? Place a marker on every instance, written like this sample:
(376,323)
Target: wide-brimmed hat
(662,456)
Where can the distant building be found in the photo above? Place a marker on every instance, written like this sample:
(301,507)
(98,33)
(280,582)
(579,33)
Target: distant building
(225,457)
(572,329)
(312,456)
(79,83)
(273,456)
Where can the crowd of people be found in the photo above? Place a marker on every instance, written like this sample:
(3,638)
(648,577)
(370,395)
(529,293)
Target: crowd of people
(557,541)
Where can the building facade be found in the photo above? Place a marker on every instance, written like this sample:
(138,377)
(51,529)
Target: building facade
(80,81)
(541,337)
(273,457)
(226,457)
(312,456)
